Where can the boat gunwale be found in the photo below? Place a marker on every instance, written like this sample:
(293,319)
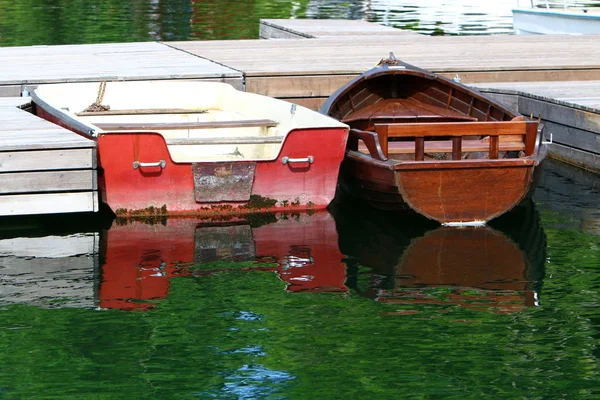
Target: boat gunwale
(400,165)
(408,69)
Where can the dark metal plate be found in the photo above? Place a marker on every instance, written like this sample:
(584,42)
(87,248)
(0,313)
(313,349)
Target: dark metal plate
(216,182)
(224,242)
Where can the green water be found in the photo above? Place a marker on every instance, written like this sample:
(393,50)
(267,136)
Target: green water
(35,22)
(235,324)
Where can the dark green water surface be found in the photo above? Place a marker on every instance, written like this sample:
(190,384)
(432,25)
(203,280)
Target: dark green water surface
(353,304)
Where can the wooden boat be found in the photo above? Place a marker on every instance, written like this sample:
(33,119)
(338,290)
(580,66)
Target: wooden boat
(422,141)
(177,147)
(544,19)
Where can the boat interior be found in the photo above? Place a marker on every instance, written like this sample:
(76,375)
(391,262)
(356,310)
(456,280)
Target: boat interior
(199,121)
(414,117)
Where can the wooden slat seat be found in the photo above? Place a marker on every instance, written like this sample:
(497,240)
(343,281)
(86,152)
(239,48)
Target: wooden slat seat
(152,126)
(141,111)
(498,132)
(445,146)
(226,140)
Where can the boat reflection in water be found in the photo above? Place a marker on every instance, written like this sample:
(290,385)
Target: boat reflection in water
(141,257)
(395,258)
(496,268)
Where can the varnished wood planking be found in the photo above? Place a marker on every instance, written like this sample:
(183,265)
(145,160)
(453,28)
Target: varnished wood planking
(48,181)
(111,61)
(48,203)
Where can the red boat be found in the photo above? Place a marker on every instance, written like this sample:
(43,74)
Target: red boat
(177,147)
(141,258)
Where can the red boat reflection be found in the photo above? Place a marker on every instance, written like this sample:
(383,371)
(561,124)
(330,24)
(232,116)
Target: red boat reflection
(141,257)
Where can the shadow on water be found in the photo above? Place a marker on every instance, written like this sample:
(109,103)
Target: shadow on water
(97,261)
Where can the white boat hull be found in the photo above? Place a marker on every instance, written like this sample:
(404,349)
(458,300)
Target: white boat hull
(556,21)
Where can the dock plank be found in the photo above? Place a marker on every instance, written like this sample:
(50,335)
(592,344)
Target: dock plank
(48,181)
(48,203)
(45,160)
(107,61)
(308,28)
(441,54)
(20,130)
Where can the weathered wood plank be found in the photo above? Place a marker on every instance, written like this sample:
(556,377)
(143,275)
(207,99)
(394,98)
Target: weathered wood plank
(513,54)
(307,28)
(48,203)
(10,90)
(15,101)
(20,130)
(48,181)
(313,103)
(572,137)
(294,86)
(67,159)
(578,158)
(106,61)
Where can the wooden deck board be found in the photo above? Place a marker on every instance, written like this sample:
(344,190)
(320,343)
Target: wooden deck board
(39,160)
(306,28)
(20,130)
(443,54)
(110,61)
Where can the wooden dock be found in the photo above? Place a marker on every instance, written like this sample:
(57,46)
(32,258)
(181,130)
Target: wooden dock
(320,57)
(570,112)
(43,168)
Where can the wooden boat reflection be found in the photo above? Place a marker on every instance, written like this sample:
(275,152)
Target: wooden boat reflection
(140,258)
(497,268)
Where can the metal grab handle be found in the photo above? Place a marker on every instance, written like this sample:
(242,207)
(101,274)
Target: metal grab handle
(309,159)
(162,164)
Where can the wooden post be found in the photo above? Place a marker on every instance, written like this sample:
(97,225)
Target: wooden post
(494,145)
(382,134)
(456,148)
(530,136)
(419,149)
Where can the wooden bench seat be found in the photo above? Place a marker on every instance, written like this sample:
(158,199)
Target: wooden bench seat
(158,126)
(445,146)
(226,140)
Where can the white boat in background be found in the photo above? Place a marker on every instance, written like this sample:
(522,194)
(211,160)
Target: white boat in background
(552,18)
